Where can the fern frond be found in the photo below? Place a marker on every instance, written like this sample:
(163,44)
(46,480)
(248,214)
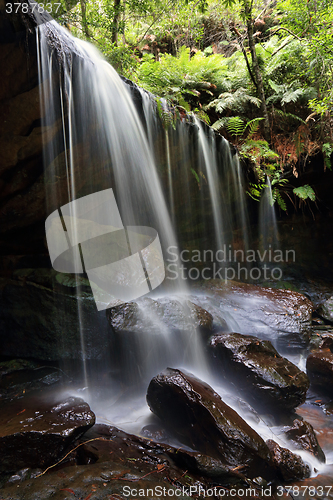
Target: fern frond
(288,116)
(253,125)
(304,192)
(235,126)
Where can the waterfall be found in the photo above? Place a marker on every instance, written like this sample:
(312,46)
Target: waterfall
(267,220)
(164,179)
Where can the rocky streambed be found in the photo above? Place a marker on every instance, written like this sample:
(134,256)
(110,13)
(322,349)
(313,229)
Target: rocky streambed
(255,420)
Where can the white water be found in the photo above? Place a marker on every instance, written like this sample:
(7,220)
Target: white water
(267,220)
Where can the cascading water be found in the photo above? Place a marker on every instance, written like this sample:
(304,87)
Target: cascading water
(267,219)
(98,130)
(94,139)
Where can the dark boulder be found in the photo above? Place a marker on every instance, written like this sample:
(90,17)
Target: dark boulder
(200,419)
(303,437)
(259,371)
(103,441)
(289,465)
(34,432)
(319,367)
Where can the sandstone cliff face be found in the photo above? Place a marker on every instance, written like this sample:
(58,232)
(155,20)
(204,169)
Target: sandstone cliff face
(21,189)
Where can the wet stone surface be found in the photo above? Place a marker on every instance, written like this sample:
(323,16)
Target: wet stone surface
(326,310)
(35,430)
(290,466)
(259,311)
(148,315)
(319,367)
(258,371)
(303,437)
(200,419)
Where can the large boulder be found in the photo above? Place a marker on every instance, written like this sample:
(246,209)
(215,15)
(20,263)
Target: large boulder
(200,419)
(319,367)
(260,311)
(258,370)
(110,464)
(34,431)
(151,334)
(148,316)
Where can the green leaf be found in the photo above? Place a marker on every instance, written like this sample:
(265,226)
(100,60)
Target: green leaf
(305,192)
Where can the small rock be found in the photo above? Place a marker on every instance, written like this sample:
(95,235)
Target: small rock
(304,438)
(289,465)
(326,310)
(319,367)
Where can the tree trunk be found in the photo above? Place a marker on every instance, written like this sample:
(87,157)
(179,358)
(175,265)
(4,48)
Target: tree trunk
(84,18)
(256,68)
(115,22)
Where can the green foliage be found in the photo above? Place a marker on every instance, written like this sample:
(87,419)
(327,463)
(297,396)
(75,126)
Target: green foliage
(292,92)
(255,191)
(305,192)
(166,114)
(181,79)
(236,127)
(233,101)
(327,149)
(276,186)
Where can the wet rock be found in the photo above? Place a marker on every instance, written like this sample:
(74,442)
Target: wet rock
(16,383)
(326,310)
(259,372)
(148,316)
(150,334)
(290,466)
(304,438)
(319,367)
(154,432)
(105,442)
(322,339)
(34,432)
(200,419)
(258,310)
(29,310)
(320,485)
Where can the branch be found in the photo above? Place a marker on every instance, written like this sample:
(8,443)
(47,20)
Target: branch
(234,30)
(290,32)
(263,11)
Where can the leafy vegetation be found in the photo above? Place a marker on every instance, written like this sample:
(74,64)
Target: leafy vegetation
(260,73)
